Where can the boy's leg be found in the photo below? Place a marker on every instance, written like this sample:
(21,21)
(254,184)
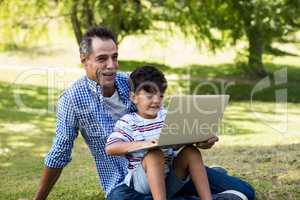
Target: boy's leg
(220,182)
(154,166)
(189,161)
(149,177)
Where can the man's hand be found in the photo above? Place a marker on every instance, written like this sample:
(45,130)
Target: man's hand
(208,143)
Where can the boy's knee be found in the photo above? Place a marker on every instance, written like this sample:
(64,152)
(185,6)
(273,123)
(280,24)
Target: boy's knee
(154,155)
(190,150)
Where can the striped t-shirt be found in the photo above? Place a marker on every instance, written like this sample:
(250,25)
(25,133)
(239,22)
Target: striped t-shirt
(133,127)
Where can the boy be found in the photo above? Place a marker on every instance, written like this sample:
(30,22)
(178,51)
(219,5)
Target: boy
(161,172)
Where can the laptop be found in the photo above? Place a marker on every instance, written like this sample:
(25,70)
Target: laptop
(190,119)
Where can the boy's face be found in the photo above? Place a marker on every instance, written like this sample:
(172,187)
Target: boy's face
(148,104)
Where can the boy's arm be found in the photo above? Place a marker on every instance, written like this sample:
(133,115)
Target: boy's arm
(121,148)
(122,139)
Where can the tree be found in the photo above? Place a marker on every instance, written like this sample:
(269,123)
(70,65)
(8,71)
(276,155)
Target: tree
(261,22)
(29,19)
(22,22)
(121,16)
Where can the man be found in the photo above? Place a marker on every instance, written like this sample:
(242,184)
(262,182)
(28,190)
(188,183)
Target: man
(92,105)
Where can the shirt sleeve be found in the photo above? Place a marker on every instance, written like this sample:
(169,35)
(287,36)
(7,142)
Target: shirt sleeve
(122,133)
(66,132)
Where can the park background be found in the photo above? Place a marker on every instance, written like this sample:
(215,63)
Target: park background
(248,49)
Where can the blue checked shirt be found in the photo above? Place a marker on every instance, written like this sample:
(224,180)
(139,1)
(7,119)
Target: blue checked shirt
(81,108)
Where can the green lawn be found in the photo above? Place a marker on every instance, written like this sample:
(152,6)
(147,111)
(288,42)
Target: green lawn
(249,147)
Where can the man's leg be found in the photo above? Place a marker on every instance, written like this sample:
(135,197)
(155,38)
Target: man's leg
(220,182)
(123,192)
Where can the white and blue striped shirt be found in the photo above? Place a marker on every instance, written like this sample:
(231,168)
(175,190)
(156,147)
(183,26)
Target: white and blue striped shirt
(81,107)
(132,127)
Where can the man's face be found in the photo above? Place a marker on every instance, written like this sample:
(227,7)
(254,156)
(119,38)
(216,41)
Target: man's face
(101,65)
(148,104)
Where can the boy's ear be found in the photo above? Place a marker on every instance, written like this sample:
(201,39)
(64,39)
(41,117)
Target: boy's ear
(132,97)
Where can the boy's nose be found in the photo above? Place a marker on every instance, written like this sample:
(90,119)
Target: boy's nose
(156,98)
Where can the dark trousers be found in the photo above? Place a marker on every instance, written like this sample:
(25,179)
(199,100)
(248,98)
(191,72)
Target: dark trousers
(218,181)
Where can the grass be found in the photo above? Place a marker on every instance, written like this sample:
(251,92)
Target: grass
(26,135)
(201,78)
(249,147)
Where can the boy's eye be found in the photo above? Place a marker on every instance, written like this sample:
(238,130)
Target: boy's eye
(149,96)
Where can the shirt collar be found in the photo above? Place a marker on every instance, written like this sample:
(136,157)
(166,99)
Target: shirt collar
(92,85)
(96,88)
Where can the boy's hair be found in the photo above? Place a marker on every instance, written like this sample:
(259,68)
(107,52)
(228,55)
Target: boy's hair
(147,78)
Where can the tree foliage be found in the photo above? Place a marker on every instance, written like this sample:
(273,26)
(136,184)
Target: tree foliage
(122,16)
(261,22)
(218,22)
(23,21)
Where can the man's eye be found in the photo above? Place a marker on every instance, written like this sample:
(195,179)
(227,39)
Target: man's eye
(101,59)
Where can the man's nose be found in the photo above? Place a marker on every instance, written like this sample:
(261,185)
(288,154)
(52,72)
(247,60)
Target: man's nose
(111,64)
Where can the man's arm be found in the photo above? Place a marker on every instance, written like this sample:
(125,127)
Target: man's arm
(48,180)
(60,153)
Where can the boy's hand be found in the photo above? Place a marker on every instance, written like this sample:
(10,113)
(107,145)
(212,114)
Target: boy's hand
(151,142)
(208,143)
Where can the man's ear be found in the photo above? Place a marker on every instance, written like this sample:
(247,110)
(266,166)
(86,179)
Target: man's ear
(83,59)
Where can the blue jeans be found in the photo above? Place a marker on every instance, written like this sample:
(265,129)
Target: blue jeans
(218,181)
(139,181)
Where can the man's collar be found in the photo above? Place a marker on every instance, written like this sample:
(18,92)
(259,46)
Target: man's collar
(93,85)
(96,88)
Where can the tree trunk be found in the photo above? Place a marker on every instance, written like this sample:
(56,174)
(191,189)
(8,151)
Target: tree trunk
(88,14)
(256,50)
(76,23)
(117,23)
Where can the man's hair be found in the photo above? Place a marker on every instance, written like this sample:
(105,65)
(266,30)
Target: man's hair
(147,78)
(103,33)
